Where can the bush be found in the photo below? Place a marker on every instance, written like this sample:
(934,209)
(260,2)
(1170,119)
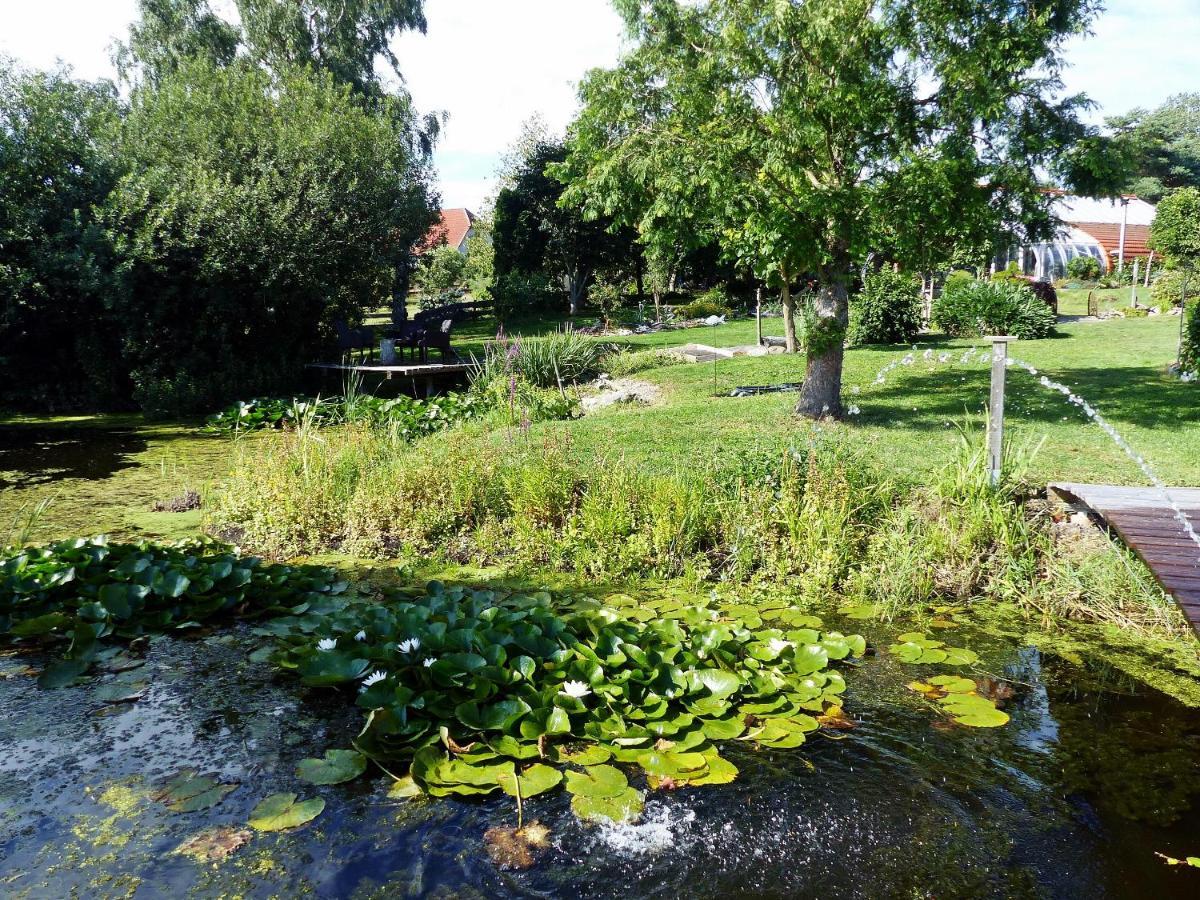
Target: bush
(608,298)
(622,363)
(1167,289)
(992,307)
(713,302)
(442,269)
(565,357)
(1084,268)
(1189,354)
(887,310)
(514,292)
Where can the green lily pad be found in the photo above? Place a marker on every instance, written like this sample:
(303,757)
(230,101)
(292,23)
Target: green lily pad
(597,781)
(529,782)
(189,792)
(281,811)
(337,766)
(404,789)
(624,807)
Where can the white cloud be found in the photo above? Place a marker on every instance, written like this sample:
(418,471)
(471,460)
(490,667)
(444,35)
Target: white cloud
(494,63)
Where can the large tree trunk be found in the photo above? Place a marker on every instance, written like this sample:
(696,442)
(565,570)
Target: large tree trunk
(789,312)
(821,394)
(577,289)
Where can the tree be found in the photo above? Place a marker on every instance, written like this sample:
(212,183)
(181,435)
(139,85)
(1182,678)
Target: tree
(1162,146)
(255,208)
(56,165)
(804,129)
(169,32)
(442,269)
(1175,232)
(535,233)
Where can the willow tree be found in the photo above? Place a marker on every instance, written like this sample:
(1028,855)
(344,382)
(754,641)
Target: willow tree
(804,130)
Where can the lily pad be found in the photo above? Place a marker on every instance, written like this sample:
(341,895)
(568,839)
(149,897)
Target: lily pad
(213,844)
(281,811)
(189,792)
(404,789)
(529,782)
(337,766)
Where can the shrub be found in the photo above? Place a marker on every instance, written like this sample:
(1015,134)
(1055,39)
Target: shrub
(1189,354)
(442,269)
(1167,289)
(514,292)
(887,310)
(608,298)
(621,363)
(713,302)
(992,307)
(563,357)
(1084,268)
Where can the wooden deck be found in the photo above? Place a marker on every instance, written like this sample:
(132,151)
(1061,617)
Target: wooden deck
(1144,520)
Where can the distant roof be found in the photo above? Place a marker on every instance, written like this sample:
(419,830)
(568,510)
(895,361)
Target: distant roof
(1108,236)
(449,230)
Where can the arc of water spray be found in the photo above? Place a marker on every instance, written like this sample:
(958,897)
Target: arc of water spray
(1092,413)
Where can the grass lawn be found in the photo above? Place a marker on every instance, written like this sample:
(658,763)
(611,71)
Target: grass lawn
(909,422)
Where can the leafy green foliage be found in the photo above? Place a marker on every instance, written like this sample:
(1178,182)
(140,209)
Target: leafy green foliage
(1162,146)
(1189,351)
(336,767)
(608,298)
(992,307)
(915,647)
(77,594)
(1175,232)
(281,811)
(959,698)
(888,310)
(1169,287)
(405,416)
(56,165)
(479,691)
(254,210)
(713,302)
(562,357)
(811,134)
(1084,268)
(442,269)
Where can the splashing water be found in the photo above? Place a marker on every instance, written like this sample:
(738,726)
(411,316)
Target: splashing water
(655,833)
(983,354)
(1094,414)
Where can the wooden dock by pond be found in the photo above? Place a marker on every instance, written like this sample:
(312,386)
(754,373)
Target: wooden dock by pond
(1145,521)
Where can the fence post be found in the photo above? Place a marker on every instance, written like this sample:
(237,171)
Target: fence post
(996,407)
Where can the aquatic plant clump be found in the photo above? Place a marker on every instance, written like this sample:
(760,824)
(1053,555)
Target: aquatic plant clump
(477,692)
(411,417)
(78,594)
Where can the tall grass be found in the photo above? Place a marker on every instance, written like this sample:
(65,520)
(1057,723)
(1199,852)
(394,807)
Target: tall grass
(557,359)
(823,520)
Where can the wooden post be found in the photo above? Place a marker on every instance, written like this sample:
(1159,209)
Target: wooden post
(1149,266)
(996,407)
(1093,304)
(758,312)
(1134,284)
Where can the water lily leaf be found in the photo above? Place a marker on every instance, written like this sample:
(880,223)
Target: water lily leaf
(953,684)
(597,781)
(809,658)
(859,611)
(337,766)
(624,807)
(40,625)
(717,682)
(499,716)
(329,668)
(62,673)
(281,811)
(589,755)
(668,764)
(213,844)
(404,789)
(529,782)
(958,656)
(171,583)
(121,692)
(719,771)
(188,792)
(558,722)
(723,729)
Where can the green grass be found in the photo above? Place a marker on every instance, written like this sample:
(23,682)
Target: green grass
(1118,365)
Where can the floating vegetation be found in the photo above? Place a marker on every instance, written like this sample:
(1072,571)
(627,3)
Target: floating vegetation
(77,594)
(405,416)
(190,792)
(282,811)
(1193,861)
(914,647)
(478,692)
(213,844)
(960,698)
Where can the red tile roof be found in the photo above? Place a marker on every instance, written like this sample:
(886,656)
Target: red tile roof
(453,227)
(1108,236)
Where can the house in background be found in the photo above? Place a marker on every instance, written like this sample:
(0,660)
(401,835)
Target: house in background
(1115,231)
(452,230)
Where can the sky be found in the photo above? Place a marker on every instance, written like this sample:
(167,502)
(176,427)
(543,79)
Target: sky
(492,64)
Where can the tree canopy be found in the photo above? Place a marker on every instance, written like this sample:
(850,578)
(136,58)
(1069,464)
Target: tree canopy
(1162,145)
(1175,232)
(812,133)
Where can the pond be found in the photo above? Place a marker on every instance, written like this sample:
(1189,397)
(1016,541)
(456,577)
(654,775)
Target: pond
(1072,798)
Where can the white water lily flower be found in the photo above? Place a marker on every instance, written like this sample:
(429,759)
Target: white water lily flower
(361,636)
(778,645)
(374,678)
(409,646)
(576,689)
(326,644)
(429,661)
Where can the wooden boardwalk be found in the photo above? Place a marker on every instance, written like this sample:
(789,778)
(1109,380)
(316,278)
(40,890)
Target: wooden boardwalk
(1144,520)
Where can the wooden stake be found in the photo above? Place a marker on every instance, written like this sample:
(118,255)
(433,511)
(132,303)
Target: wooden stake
(758,312)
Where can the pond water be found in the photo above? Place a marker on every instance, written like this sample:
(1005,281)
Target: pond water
(1070,799)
